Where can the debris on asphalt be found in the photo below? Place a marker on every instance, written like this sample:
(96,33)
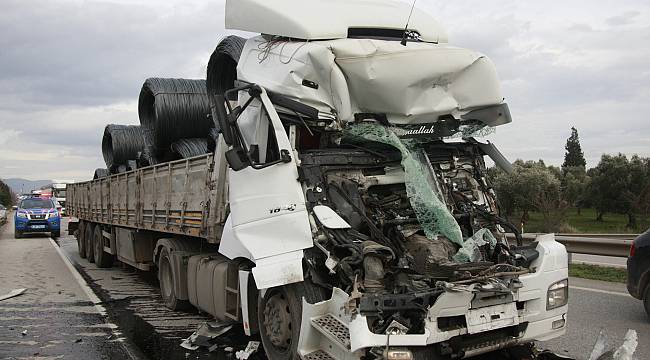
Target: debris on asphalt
(24,333)
(206,334)
(78,340)
(623,352)
(251,349)
(12,293)
(627,349)
(599,346)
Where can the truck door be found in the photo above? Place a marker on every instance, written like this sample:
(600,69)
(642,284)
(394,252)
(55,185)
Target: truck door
(268,222)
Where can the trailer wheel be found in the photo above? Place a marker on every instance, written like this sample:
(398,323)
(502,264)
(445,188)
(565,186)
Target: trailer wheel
(81,239)
(646,300)
(88,242)
(280,315)
(102,258)
(166,280)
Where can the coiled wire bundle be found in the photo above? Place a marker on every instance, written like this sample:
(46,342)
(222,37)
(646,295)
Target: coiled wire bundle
(120,144)
(222,67)
(172,109)
(187,148)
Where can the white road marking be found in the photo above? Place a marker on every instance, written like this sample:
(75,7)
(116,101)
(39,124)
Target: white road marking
(618,293)
(95,300)
(80,280)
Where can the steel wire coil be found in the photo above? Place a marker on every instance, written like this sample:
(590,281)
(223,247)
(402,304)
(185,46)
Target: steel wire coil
(100,173)
(173,109)
(222,67)
(187,148)
(120,144)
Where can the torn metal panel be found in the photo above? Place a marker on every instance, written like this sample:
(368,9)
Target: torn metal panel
(333,19)
(471,249)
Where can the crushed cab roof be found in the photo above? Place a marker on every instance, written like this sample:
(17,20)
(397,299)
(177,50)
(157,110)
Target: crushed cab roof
(328,19)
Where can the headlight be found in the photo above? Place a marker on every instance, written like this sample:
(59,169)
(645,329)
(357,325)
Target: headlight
(558,295)
(52,215)
(21,215)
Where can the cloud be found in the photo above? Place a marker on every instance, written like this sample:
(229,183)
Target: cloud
(75,66)
(623,19)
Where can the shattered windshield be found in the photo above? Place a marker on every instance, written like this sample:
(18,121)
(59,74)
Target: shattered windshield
(421,187)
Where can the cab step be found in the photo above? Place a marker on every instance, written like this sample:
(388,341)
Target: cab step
(318,355)
(334,329)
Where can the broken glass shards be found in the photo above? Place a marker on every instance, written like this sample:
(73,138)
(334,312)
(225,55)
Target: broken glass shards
(431,211)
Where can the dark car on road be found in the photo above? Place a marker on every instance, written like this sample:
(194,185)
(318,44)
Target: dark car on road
(37,215)
(638,269)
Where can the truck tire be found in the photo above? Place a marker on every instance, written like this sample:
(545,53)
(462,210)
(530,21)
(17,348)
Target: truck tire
(280,314)
(102,258)
(18,234)
(166,281)
(81,239)
(646,300)
(88,242)
(55,234)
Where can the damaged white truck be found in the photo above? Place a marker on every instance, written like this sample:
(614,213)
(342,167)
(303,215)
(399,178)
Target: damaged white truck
(345,212)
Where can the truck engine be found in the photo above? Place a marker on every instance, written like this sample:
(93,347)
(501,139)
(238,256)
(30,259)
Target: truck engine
(386,238)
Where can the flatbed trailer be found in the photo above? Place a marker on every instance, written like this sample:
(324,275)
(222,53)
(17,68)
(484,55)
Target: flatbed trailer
(184,197)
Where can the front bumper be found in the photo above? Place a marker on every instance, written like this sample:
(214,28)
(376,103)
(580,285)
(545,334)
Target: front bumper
(37,225)
(456,324)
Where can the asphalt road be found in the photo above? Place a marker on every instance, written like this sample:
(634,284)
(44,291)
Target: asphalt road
(61,320)
(596,306)
(56,318)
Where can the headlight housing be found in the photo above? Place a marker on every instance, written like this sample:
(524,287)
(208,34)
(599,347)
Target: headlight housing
(21,214)
(52,214)
(557,295)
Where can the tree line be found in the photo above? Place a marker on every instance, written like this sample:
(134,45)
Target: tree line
(618,184)
(6,195)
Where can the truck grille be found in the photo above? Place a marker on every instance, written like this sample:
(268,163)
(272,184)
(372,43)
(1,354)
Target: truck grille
(38,217)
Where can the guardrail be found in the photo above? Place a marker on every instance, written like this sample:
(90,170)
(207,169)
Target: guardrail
(597,236)
(617,245)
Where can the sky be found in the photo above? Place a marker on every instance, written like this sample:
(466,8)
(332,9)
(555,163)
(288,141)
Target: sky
(69,67)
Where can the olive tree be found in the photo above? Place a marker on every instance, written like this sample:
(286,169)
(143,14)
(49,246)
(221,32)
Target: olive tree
(531,186)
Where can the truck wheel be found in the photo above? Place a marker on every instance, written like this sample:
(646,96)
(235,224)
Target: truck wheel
(102,258)
(55,234)
(646,300)
(81,239)
(166,280)
(18,234)
(280,314)
(88,242)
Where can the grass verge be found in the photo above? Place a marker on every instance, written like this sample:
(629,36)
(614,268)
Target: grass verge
(595,272)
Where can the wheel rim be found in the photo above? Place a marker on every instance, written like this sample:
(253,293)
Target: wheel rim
(277,321)
(165,279)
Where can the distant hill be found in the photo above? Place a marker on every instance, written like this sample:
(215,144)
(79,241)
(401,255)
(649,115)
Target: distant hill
(16,184)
